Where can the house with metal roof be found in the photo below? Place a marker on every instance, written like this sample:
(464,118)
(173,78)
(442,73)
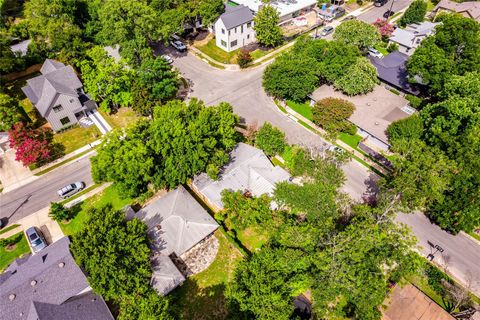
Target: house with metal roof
(58,95)
(234,28)
(287,9)
(468,9)
(409,39)
(176,223)
(249,170)
(49,286)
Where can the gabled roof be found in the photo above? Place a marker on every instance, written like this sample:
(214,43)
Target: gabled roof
(469,9)
(236,16)
(165,275)
(56,79)
(50,277)
(407,37)
(176,222)
(21,47)
(392,69)
(249,170)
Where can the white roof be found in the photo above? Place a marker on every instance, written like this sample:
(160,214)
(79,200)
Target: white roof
(249,170)
(176,222)
(407,36)
(21,47)
(284,7)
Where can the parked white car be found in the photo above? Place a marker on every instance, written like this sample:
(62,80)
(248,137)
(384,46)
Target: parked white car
(168,58)
(71,189)
(375,53)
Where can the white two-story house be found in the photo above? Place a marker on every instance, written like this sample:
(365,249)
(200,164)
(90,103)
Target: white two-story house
(409,39)
(234,28)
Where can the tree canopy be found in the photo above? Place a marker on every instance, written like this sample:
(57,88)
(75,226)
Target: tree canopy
(415,13)
(270,139)
(10,112)
(358,33)
(265,24)
(360,78)
(331,114)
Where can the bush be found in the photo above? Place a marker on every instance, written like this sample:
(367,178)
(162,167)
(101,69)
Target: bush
(11,240)
(415,101)
(59,212)
(408,128)
(331,114)
(384,28)
(244,58)
(415,13)
(270,139)
(392,47)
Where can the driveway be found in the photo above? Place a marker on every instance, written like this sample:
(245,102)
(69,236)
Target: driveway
(12,173)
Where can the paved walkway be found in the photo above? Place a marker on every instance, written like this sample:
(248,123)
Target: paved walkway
(12,173)
(99,121)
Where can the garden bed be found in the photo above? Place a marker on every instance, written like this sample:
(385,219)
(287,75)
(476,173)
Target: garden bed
(19,249)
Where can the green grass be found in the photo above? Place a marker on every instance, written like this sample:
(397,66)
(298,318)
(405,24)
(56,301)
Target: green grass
(257,54)
(474,235)
(302,108)
(430,6)
(350,140)
(280,106)
(5,230)
(62,163)
(109,195)
(381,49)
(76,137)
(252,238)
(122,118)
(309,127)
(201,296)
(21,248)
(210,49)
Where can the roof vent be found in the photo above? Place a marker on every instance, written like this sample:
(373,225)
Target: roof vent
(61,264)
(21,314)
(33,283)
(11,297)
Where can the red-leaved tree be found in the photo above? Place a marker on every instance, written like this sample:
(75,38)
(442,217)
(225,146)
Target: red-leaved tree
(385,28)
(31,145)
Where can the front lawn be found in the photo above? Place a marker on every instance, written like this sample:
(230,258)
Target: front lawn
(122,118)
(210,49)
(201,296)
(302,108)
(258,53)
(76,137)
(109,195)
(382,49)
(21,248)
(253,238)
(351,140)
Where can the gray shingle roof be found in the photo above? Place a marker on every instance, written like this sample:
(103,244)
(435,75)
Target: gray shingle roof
(249,170)
(56,78)
(40,279)
(407,37)
(392,70)
(236,16)
(183,222)
(165,275)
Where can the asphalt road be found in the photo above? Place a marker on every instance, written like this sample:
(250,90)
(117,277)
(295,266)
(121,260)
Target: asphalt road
(377,12)
(38,194)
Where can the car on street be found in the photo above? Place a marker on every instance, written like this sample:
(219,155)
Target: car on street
(335,149)
(388,14)
(35,239)
(347,18)
(167,58)
(70,189)
(379,3)
(326,31)
(375,53)
(178,45)
(328,13)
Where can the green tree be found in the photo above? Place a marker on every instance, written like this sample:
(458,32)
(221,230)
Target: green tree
(265,24)
(243,58)
(336,59)
(185,139)
(149,306)
(59,212)
(331,114)
(9,61)
(106,80)
(114,253)
(358,33)
(270,139)
(291,77)
(415,13)
(408,128)
(125,158)
(155,83)
(453,50)
(360,78)
(10,112)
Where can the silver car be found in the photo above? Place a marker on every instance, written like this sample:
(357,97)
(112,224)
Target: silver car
(327,30)
(35,239)
(71,189)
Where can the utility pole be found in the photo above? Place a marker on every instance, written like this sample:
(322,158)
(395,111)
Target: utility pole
(390,11)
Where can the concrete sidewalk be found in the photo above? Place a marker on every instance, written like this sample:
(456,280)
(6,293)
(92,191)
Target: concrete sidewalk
(12,173)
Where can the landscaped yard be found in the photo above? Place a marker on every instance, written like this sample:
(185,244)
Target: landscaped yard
(210,49)
(20,248)
(109,195)
(252,238)
(77,137)
(122,118)
(351,140)
(382,49)
(257,54)
(201,296)
(303,108)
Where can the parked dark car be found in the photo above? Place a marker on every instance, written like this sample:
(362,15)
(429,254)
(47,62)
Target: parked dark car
(35,239)
(388,14)
(347,18)
(379,3)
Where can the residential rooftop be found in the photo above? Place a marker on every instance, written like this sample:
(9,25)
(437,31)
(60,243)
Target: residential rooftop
(284,7)
(413,34)
(236,16)
(468,9)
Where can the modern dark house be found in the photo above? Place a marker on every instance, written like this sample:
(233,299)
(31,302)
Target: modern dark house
(58,95)
(49,286)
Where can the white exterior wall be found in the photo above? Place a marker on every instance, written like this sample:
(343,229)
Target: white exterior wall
(242,34)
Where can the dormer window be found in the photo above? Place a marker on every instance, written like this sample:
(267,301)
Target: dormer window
(57,108)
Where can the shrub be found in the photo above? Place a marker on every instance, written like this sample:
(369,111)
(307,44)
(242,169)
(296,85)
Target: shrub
(11,240)
(270,139)
(415,101)
(59,212)
(392,47)
(385,28)
(409,128)
(244,58)
(331,114)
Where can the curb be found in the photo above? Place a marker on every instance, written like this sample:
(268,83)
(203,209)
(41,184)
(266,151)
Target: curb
(87,195)
(470,237)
